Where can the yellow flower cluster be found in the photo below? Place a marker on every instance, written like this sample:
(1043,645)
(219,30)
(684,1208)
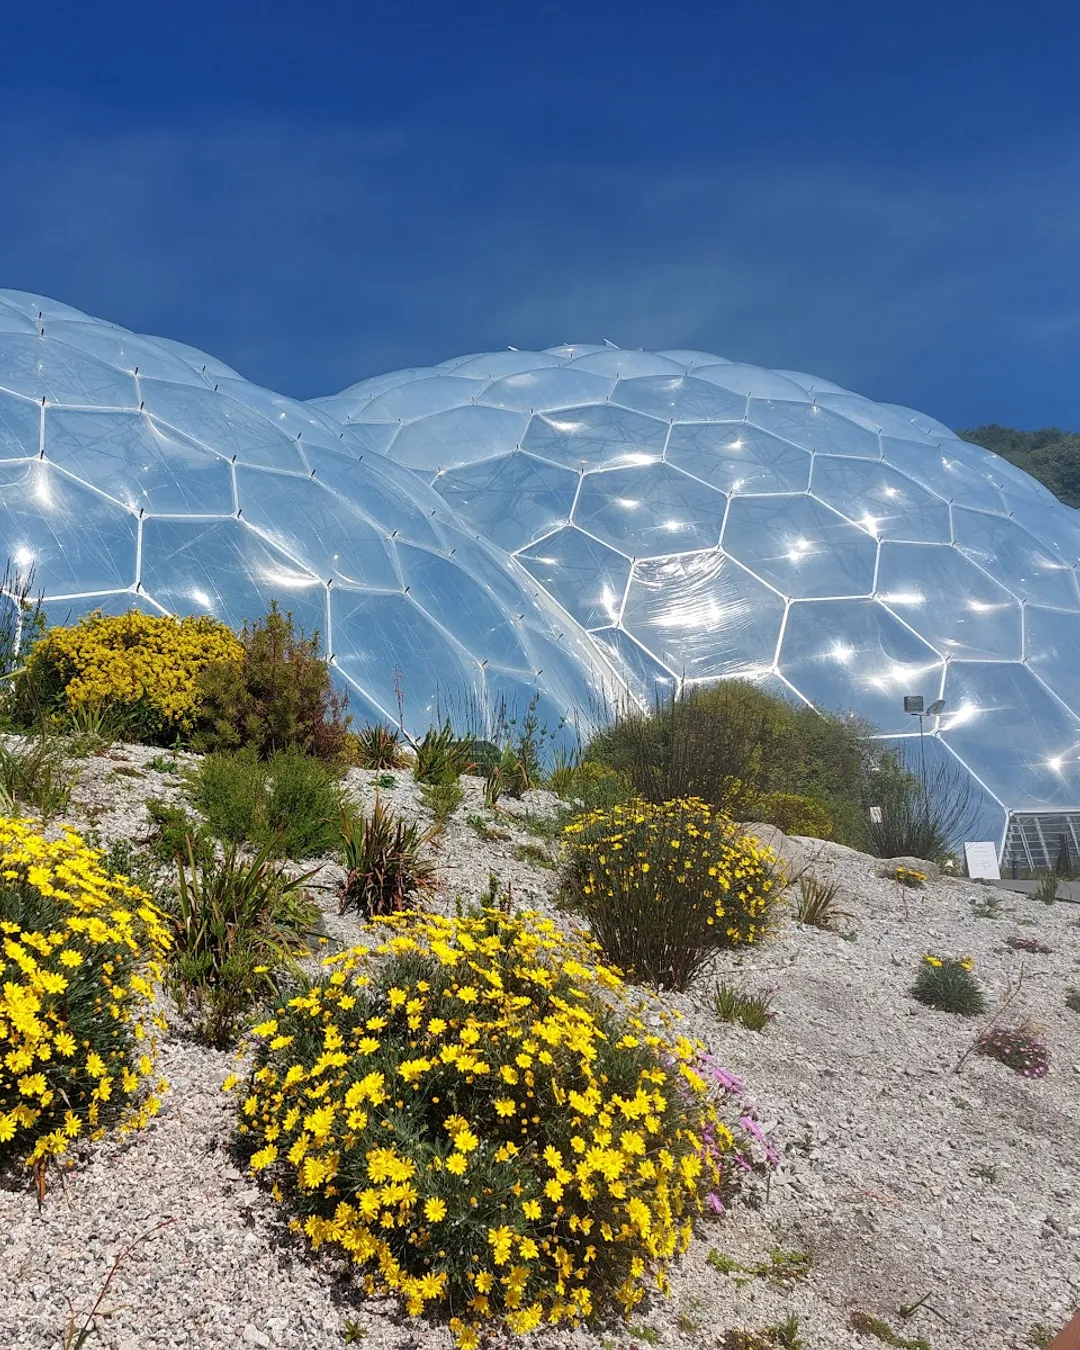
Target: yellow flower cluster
(78,950)
(644,845)
(141,663)
(964,962)
(475,1116)
(907,876)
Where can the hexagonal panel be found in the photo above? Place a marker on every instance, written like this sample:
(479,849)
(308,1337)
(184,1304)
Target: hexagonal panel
(843,654)
(703,616)
(1014,734)
(458,436)
(649,510)
(586,577)
(20,428)
(142,464)
(800,546)
(813,427)
(953,605)
(945,471)
(1052,650)
(38,505)
(540,390)
(512,499)
(738,457)
(61,375)
(593,437)
(1020,561)
(221,424)
(881,499)
(679,398)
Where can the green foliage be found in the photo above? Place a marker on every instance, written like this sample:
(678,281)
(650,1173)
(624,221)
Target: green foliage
(124,862)
(664,887)
(591,785)
(817,905)
(949,986)
(1047,889)
(780,1266)
(384,864)
(793,813)
(279,696)
(485,830)
(171,828)
(535,854)
(289,804)
(442,800)
(376,747)
(162,764)
(922,815)
(732,1004)
(34,775)
(1049,454)
(734,745)
(440,756)
(1072,1000)
(236,926)
(867,1325)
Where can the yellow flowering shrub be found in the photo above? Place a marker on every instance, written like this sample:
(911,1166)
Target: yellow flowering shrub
(144,666)
(664,885)
(791,812)
(78,952)
(478,1119)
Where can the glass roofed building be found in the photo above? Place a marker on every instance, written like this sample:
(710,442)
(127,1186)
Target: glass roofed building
(135,471)
(701,519)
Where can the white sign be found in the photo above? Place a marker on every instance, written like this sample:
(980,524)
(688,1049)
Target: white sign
(982,861)
(875,815)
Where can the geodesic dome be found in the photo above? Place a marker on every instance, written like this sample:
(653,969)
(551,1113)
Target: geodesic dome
(701,519)
(135,471)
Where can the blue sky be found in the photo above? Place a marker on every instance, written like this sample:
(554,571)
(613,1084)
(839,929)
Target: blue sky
(886,195)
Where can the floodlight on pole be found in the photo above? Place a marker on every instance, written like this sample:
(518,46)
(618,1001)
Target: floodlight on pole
(915,705)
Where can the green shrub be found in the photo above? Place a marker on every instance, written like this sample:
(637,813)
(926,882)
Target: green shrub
(732,1004)
(440,756)
(664,887)
(278,696)
(289,804)
(1047,889)
(478,1119)
(376,747)
(171,828)
(918,815)
(236,925)
(1021,1049)
(34,775)
(442,800)
(595,786)
(817,905)
(1072,1000)
(947,984)
(732,745)
(793,813)
(384,864)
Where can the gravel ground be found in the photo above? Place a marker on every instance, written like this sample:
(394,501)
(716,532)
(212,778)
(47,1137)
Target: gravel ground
(900,1177)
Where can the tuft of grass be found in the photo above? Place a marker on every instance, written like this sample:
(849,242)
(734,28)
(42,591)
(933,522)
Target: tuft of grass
(732,1004)
(987,1172)
(780,1336)
(34,776)
(949,986)
(1039,1336)
(376,747)
(353,1331)
(487,832)
(1047,889)
(440,756)
(384,780)
(817,905)
(643,1332)
(162,764)
(868,1325)
(989,908)
(236,925)
(780,1266)
(1072,1000)
(442,800)
(385,869)
(171,828)
(533,853)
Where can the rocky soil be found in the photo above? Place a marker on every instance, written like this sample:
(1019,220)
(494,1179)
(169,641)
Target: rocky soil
(904,1179)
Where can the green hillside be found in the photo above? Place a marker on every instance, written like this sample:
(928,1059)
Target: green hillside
(1049,454)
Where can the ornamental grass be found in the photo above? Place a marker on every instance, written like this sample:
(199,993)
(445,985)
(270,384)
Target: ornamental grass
(664,887)
(77,1028)
(947,984)
(475,1116)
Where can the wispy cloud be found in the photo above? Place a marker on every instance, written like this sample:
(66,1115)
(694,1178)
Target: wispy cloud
(311,257)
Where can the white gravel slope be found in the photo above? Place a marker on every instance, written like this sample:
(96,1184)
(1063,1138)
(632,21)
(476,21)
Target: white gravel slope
(879,1137)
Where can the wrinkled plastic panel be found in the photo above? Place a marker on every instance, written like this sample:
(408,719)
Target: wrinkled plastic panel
(543,495)
(136,471)
(586,577)
(800,547)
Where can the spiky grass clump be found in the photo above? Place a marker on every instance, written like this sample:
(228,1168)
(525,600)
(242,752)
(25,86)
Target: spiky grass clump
(751,1010)
(376,747)
(817,903)
(386,871)
(947,984)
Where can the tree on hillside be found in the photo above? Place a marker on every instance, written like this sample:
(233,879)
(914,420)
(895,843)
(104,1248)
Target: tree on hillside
(1049,454)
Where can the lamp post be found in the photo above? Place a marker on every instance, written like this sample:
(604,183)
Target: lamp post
(913,704)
